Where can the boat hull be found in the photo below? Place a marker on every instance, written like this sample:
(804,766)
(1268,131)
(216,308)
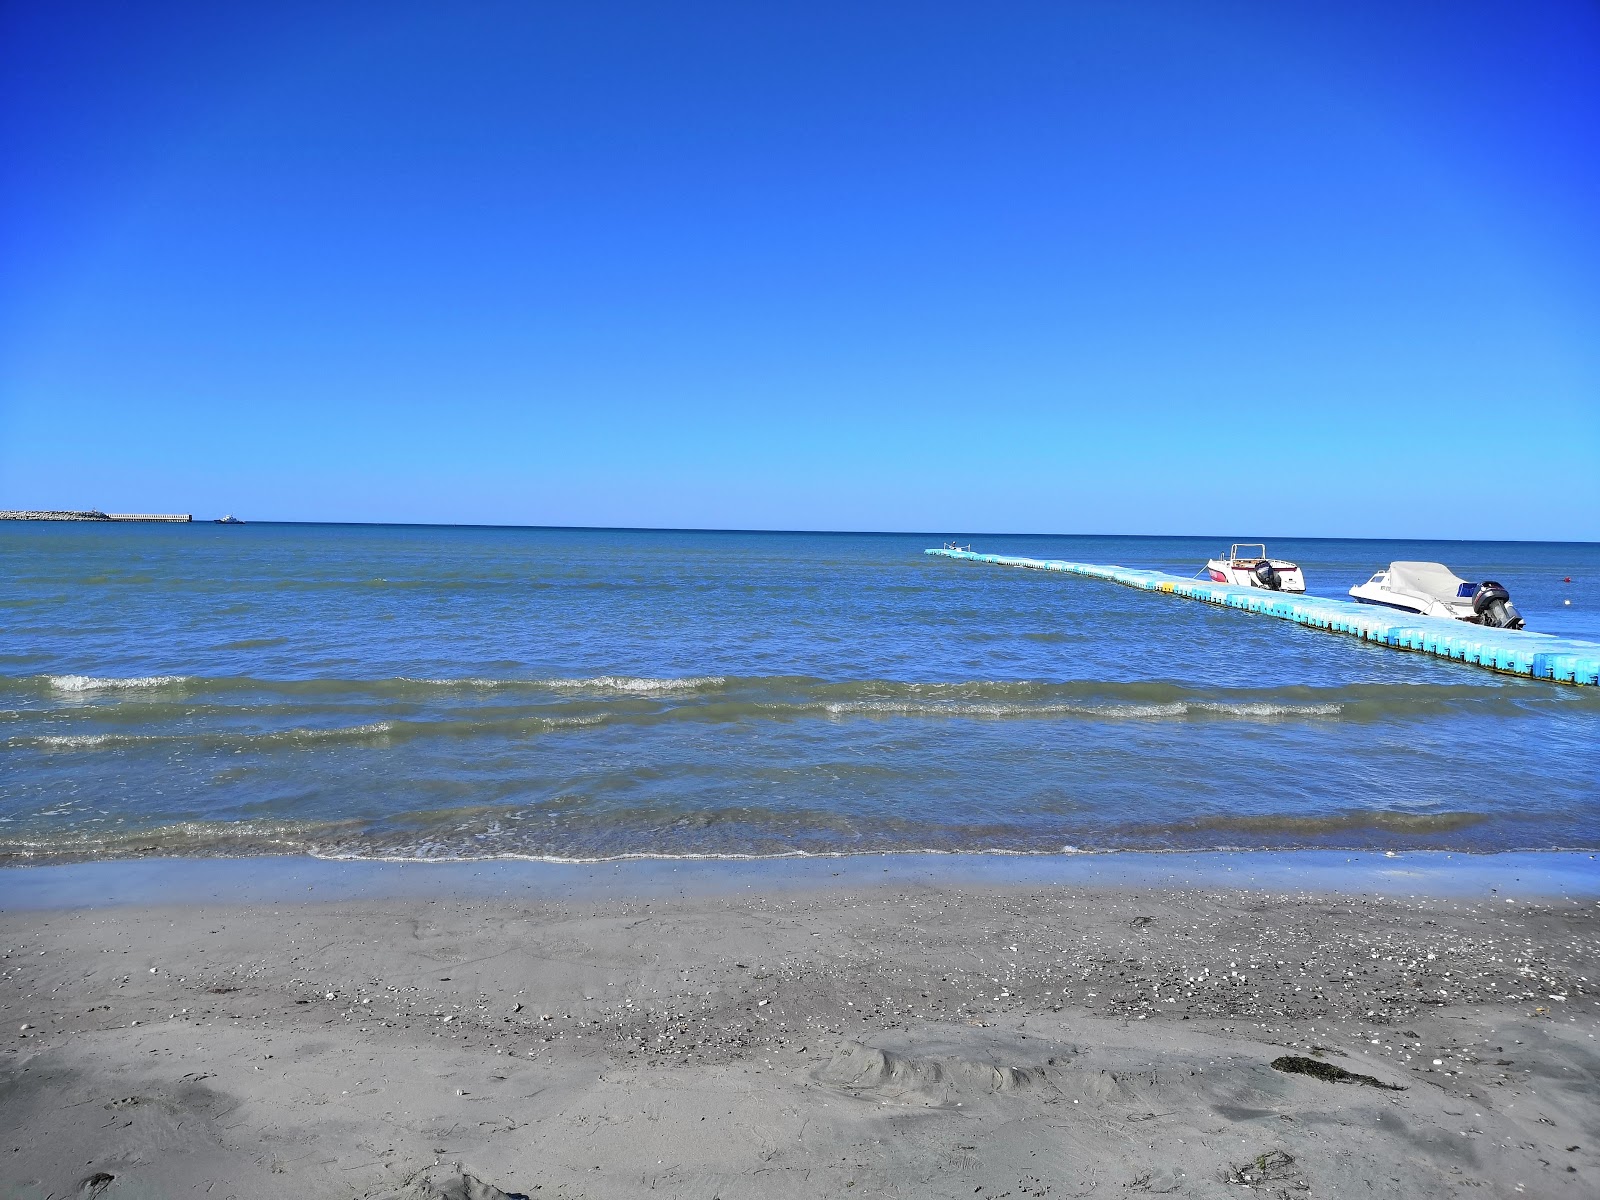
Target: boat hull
(1380,597)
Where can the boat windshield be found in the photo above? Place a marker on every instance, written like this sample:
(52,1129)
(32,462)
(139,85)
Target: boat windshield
(1247,552)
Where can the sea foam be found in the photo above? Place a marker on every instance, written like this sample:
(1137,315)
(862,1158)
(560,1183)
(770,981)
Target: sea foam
(96,683)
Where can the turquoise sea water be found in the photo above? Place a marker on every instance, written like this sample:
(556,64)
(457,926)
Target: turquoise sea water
(467,692)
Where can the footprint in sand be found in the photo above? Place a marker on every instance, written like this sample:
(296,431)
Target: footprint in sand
(450,1184)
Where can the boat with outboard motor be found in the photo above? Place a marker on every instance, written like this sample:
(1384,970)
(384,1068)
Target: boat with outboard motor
(1432,589)
(1247,565)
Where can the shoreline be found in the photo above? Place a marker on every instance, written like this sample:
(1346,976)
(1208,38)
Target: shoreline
(262,879)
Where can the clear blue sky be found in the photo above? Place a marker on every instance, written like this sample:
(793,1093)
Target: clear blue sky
(1230,268)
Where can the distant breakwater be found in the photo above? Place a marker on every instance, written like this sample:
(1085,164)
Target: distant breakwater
(90,514)
(52,515)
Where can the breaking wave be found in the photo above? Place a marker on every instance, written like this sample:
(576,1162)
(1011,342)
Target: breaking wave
(82,713)
(280,737)
(1313,826)
(477,836)
(93,683)
(1155,698)
(1115,712)
(397,685)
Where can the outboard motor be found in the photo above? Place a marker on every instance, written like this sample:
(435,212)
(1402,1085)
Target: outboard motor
(1492,605)
(1267,575)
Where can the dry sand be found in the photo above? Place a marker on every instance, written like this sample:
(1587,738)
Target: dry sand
(945,1040)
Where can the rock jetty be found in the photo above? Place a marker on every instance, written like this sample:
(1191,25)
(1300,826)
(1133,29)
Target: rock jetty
(52,515)
(91,515)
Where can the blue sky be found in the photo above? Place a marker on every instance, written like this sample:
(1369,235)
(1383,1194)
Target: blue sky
(1223,268)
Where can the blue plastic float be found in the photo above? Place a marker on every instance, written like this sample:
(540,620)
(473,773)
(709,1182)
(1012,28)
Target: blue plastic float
(1511,651)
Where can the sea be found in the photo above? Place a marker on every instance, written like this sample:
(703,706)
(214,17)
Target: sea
(449,693)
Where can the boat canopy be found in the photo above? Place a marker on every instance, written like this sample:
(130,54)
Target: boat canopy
(1428,579)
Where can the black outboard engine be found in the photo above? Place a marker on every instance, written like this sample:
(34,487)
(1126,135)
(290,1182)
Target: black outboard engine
(1267,575)
(1492,605)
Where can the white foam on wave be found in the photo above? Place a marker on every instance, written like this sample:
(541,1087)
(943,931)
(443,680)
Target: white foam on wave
(95,683)
(88,741)
(1268,711)
(600,683)
(912,708)
(633,683)
(422,855)
(322,734)
(461,683)
(1124,712)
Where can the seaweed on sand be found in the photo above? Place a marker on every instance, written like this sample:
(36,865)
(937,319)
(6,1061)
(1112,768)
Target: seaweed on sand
(1297,1064)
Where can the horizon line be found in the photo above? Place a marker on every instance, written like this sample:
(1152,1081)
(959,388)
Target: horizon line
(816,532)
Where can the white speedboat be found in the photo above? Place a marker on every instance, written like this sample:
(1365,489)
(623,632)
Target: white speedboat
(1432,589)
(1249,566)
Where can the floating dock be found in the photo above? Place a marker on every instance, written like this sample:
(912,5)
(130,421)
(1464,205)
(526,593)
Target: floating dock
(1511,651)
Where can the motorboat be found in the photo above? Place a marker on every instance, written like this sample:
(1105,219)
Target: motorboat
(1248,565)
(230,519)
(1432,589)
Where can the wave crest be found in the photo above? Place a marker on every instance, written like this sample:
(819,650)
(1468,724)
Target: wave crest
(97,683)
(639,684)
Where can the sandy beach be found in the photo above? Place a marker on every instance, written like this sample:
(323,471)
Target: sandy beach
(849,1038)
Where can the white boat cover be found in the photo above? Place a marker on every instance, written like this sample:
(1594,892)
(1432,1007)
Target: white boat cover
(1426,579)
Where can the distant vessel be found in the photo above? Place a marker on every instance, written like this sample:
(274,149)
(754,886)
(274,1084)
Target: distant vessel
(1432,589)
(230,519)
(1247,565)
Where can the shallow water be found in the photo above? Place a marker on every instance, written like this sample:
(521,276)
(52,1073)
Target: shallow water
(468,692)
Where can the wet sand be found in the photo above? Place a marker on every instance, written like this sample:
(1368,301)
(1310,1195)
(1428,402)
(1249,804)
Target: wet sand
(827,1038)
